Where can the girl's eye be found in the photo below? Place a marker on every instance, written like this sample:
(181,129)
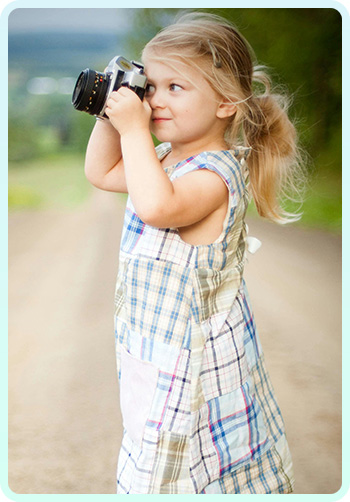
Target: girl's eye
(150,89)
(175,87)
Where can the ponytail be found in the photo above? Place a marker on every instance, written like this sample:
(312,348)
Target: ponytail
(275,163)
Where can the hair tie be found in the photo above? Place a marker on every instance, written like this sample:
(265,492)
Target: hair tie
(214,52)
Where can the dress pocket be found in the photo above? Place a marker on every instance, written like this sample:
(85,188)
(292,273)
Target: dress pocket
(138,383)
(158,296)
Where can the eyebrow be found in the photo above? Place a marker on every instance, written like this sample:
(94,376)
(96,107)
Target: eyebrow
(170,79)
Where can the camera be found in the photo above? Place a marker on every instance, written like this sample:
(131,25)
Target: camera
(93,88)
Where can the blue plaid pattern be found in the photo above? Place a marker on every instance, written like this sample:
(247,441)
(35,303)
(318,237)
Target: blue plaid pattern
(157,299)
(212,423)
(237,436)
(134,228)
(266,474)
(172,404)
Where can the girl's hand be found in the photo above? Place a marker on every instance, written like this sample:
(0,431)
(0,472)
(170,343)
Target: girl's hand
(127,112)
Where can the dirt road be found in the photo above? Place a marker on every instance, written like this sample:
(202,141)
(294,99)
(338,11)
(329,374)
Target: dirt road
(64,419)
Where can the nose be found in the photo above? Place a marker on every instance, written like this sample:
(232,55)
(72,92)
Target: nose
(156,99)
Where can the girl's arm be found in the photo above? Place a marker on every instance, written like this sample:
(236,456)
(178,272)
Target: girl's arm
(104,166)
(160,202)
(157,200)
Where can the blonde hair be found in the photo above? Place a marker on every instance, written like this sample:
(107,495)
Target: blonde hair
(216,48)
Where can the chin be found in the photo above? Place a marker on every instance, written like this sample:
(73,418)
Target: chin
(161,137)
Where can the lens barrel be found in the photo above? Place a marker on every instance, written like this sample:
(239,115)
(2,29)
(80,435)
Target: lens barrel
(90,91)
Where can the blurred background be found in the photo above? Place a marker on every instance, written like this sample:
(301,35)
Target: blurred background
(65,424)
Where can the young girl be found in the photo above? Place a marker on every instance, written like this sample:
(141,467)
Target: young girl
(199,412)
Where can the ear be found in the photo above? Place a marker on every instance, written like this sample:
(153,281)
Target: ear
(226,109)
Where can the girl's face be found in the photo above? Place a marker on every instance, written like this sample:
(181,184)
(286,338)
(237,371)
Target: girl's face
(183,113)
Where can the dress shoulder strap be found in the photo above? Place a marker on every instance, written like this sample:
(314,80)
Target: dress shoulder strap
(230,165)
(162,150)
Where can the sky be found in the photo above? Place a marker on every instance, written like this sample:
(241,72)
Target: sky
(35,19)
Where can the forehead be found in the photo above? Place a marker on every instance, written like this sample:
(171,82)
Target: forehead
(163,68)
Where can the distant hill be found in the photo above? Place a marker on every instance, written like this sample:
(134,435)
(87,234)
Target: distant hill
(61,53)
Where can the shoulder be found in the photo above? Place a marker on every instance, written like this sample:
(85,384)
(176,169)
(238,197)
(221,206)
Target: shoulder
(229,164)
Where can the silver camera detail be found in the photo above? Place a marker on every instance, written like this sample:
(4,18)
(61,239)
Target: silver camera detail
(93,88)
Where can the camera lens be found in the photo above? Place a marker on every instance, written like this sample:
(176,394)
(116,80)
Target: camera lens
(90,91)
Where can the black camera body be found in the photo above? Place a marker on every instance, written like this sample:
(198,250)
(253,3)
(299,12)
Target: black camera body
(93,88)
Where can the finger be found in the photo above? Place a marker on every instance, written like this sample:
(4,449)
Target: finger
(114,96)
(125,91)
(111,103)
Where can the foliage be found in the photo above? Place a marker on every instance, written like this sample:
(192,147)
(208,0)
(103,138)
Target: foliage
(44,125)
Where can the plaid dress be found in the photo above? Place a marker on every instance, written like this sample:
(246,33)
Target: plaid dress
(199,412)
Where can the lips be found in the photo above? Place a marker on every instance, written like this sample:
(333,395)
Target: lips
(160,119)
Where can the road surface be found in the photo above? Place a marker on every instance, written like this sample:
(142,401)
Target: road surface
(64,419)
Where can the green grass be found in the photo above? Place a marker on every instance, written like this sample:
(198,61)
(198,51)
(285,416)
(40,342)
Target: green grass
(322,205)
(54,182)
